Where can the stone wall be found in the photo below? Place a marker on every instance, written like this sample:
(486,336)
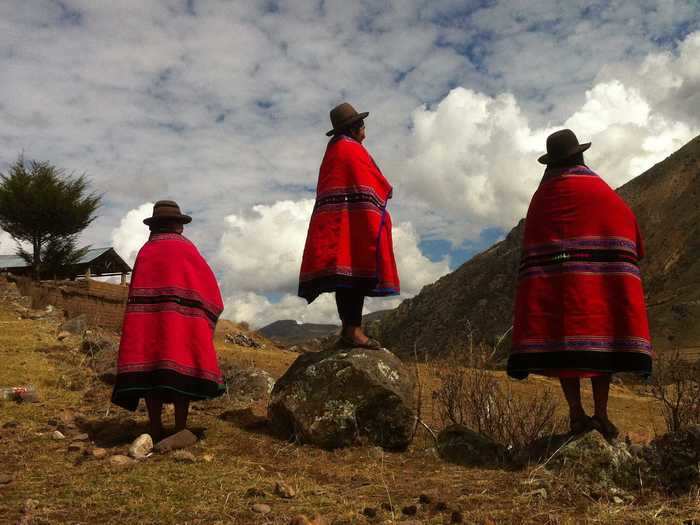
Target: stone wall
(102,303)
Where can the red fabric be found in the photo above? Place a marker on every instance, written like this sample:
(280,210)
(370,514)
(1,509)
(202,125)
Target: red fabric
(579,287)
(349,241)
(174,303)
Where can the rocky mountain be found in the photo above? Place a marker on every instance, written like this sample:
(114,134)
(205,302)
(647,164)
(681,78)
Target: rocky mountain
(289,332)
(477,299)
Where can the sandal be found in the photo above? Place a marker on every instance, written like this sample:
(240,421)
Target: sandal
(581,425)
(372,344)
(605,427)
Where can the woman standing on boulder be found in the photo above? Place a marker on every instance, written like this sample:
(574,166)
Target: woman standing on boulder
(579,308)
(349,248)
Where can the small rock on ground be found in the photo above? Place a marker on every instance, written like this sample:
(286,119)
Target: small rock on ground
(57,435)
(63,335)
(254,492)
(76,446)
(283,490)
(99,453)
(120,461)
(141,446)
(81,437)
(6,479)
(182,439)
(410,510)
(261,508)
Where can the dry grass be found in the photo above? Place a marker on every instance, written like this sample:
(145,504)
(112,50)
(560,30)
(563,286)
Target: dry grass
(338,485)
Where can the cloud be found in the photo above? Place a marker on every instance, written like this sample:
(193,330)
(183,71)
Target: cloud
(472,157)
(260,255)
(132,233)
(223,107)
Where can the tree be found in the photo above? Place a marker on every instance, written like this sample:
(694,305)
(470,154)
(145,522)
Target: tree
(43,206)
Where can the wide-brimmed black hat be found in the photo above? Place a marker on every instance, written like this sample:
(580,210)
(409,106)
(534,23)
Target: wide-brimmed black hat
(167,211)
(343,116)
(561,145)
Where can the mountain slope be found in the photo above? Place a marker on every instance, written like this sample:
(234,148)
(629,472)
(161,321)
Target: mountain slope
(477,298)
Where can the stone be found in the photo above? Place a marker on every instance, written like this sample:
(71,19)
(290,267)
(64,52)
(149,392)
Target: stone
(182,439)
(30,505)
(77,325)
(247,384)
(6,479)
(617,500)
(99,453)
(57,435)
(120,461)
(63,335)
(141,447)
(598,463)
(184,456)
(261,508)
(81,437)
(208,458)
(283,490)
(254,492)
(339,397)
(76,446)
(460,445)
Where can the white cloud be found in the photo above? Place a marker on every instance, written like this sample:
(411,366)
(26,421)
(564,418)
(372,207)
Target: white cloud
(224,106)
(472,157)
(132,233)
(260,253)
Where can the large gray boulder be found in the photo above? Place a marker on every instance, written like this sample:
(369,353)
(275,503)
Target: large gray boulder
(336,398)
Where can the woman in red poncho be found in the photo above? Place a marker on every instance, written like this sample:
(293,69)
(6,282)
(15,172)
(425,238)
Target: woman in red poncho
(579,308)
(349,248)
(167,352)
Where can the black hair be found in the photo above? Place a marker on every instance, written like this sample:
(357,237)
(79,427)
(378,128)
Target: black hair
(165,227)
(348,131)
(574,160)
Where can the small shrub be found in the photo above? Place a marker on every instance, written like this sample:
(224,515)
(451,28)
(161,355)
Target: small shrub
(675,384)
(472,395)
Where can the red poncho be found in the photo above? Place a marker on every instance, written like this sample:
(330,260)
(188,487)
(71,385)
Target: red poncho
(167,336)
(349,242)
(580,303)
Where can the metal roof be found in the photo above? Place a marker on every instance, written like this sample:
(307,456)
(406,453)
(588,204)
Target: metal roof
(15,261)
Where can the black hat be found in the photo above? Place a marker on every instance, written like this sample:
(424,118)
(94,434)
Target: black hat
(562,145)
(343,116)
(167,211)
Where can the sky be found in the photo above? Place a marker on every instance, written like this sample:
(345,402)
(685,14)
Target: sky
(223,106)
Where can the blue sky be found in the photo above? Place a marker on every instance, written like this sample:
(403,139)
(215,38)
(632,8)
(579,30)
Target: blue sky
(224,105)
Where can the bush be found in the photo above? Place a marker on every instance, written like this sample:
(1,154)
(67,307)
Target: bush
(473,396)
(675,384)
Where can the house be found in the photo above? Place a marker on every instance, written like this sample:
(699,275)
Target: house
(97,262)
